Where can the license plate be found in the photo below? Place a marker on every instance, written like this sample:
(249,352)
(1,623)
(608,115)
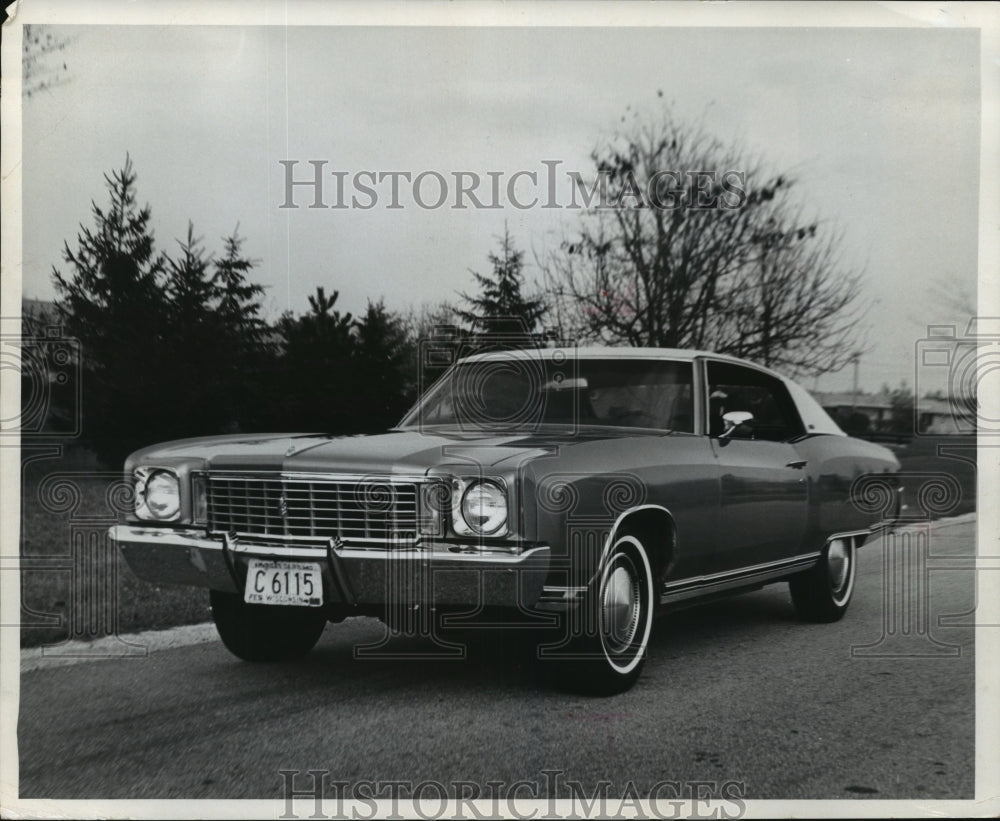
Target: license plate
(296,583)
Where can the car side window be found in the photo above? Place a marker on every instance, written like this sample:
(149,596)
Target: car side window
(659,406)
(655,394)
(736,388)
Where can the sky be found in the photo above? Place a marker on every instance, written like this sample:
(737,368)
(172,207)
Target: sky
(879,127)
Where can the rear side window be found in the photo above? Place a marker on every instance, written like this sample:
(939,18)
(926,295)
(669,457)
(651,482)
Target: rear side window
(736,388)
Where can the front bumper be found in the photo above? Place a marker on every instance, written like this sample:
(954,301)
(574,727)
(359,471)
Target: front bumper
(428,574)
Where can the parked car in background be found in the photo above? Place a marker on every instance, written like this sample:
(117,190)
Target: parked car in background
(575,489)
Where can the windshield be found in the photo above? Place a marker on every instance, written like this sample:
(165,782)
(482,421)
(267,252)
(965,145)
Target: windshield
(526,392)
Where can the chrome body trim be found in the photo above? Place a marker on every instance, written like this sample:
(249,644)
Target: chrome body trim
(150,534)
(681,589)
(613,533)
(875,529)
(202,540)
(308,476)
(557,593)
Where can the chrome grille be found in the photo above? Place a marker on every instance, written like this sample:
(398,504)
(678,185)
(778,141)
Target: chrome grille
(290,507)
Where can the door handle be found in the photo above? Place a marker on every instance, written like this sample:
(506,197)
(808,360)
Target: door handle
(798,464)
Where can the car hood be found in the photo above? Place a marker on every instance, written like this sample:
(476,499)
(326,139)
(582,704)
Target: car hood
(400,452)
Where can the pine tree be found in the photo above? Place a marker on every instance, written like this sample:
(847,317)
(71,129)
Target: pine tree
(170,345)
(501,309)
(239,300)
(190,288)
(383,355)
(113,301)
(197,343)
(342,374)
(315,368)
(246,351)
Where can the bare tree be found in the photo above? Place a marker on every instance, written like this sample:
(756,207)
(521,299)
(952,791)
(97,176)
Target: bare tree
(692,244)
(42,66)
(792,305)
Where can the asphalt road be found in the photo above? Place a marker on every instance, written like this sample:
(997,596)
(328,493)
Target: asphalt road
(732,691)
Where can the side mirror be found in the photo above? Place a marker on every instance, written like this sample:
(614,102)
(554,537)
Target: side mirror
(733,421)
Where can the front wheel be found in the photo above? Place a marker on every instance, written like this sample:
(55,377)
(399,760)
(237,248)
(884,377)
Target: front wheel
(262,632)
(822,593)
(607,648)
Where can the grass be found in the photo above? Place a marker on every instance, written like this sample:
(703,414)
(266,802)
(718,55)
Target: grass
(74,584)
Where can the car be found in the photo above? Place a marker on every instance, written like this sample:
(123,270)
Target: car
(568,493)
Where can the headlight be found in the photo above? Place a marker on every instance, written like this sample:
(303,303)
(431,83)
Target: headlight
(157,495)
(483,510)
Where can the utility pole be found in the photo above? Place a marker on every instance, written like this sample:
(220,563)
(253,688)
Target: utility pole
(855,360)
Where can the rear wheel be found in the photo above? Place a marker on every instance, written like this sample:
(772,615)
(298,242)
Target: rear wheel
(609,649)
(822,593)
(261,632)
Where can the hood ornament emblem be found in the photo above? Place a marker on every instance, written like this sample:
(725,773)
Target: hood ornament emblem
(291,449)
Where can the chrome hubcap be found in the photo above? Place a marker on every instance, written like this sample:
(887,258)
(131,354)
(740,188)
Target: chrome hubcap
(838,562)
(621,606)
